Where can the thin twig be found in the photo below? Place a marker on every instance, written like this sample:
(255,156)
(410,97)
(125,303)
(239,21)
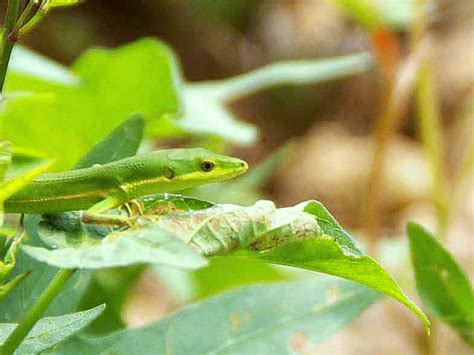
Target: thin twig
(388,123)
(8,41)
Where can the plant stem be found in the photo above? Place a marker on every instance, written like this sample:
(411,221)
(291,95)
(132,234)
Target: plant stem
(35,312)
(398,94)
(431,137)
(24,16)
(13,9)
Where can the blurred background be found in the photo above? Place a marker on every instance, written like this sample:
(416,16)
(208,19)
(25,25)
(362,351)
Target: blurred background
(335,129)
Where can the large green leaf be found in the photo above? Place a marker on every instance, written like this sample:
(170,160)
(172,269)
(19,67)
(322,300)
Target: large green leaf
(304,236)
(252,320)
(50,331)
(112,84)
(442,284)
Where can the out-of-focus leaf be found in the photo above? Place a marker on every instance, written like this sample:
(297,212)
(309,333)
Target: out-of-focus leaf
(137,78)
(442,284)
(30,71)
(5,158)
(23,160)
(149,245)
(271,318)
(122,142)
(205,112)
(372,14)
(204,115)
(50,331)
(302,72)
(364,11)
(225,273)
(112,287)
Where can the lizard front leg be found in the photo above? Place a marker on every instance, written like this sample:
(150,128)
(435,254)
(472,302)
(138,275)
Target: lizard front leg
(96,215)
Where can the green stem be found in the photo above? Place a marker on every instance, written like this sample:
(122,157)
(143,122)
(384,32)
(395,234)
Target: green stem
(35,312)
(13,9)
(24,16)
(432,140)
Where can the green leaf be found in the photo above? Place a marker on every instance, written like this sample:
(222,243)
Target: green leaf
(301,72)
(225,273)
(30,71)
(365,12)
(7,288)
(141,77)
(442,284)
(23,160)
(205,111)
(373,14)
(325,255)
(122,142)
(143,245)
(251,320)
(205,115)
(50,331)
(304,236)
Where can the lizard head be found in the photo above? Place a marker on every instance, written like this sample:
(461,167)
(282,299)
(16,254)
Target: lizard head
(199,166)
(173,170)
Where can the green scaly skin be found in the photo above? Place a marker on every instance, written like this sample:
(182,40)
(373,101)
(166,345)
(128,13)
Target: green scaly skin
(103,187)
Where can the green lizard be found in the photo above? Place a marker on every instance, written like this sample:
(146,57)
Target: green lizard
(104,187)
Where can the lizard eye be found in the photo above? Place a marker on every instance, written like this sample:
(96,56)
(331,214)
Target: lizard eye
(207,166)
